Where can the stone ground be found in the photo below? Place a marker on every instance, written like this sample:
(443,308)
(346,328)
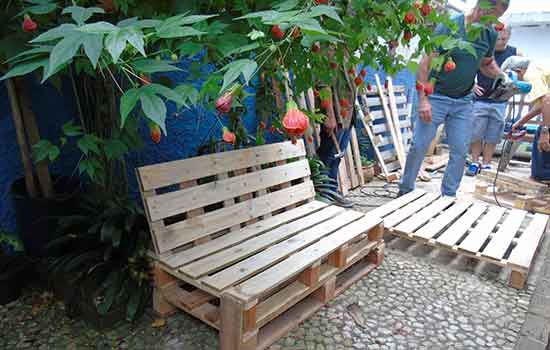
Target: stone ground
(419,298)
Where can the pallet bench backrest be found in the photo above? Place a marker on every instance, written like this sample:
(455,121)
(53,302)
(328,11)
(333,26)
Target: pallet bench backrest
(190,201)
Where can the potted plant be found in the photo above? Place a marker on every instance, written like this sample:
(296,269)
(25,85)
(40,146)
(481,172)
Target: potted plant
(14,268)
(368,168)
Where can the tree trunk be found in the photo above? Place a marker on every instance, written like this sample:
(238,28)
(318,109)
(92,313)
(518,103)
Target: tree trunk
(21,140)
(33,136)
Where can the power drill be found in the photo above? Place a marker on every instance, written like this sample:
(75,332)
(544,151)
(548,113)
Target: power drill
(504,89)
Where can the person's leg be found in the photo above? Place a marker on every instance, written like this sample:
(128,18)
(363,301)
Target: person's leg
(423,134)
(326,152)
(459,132)
(495,130)
(479,130)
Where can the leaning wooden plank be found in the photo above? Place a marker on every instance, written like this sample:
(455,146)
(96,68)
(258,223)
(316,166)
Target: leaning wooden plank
(404,213)
(190,230)
(350,165)
(375,115)
(398,203)
(422,217)
(453,234)
(389,121)
(501,240)
(283,271)
(528,242)
(394,115)
(278,252)
(229,240)
(170,173)
(228,256)
(475,239)
(173,203)
(370,134)
(381,128)
(443,220)
(524,182)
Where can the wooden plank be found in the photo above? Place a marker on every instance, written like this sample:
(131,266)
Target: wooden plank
(475,239)
(522,181)
(228,240)
(241,251)
(389,121)
(381,128)
(398,203)
(502,239)
(453,234)
(296,263)
(357,156)
(443,220)
(395,123)
(376,115)
(371,137)
(350,165)
(173,203)
(278,252)
(232,323)
(393,166)
(190,230)
(528,242)
(403,214)
(175,172)
(422,217)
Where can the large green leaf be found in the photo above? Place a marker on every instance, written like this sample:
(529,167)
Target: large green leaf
(324,10)
(127,103)
(32,52)
(25,68)
(64,51)
(307,24)
(135,38)
(147,65)
(137,23)
(115,149)
(81,14)
(89,144)
(70,129)
(189,49)
(154,109)
(45,150)
(166,92)
(194,19)
(286,5)
(115,43)
(234,70)
(98,27)
(188,92)
(41,9)
(134,302)
(93,45)
(107,230)
(55,33)
(179,32)
(111,286)
(264,15)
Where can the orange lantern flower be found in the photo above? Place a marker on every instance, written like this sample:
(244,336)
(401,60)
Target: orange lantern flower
(295,121)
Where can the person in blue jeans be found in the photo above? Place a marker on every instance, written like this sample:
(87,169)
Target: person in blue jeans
(451,103)
(489,115)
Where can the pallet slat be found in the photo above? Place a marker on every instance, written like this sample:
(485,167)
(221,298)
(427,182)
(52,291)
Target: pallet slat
(195,253)
(281,272)
(503,237)
(396,204)
(527,244)
(190,230)
(474,241)
(410,209)
(422,217)
(226,257)
(442,221)
(453,234)
(276,253)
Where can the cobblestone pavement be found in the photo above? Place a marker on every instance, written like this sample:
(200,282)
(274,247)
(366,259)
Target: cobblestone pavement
(419,298)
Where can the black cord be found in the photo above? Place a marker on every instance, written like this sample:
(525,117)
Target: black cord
(504,145)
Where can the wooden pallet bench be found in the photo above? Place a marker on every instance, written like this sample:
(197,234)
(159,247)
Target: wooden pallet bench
(497,235)
(241,244)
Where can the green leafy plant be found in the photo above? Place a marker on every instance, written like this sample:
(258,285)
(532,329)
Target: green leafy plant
(104,248)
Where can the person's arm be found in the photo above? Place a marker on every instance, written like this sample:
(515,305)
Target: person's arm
(532,113)
(490,68)
(423,76)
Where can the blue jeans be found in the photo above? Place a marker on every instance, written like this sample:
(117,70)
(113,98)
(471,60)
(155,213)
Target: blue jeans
(457,115)
(489,119)
(327,150)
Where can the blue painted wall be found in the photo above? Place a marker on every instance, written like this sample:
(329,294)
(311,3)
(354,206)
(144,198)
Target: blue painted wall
(187,130)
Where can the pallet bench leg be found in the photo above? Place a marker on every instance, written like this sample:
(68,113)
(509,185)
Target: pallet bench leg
(376,233)
(162,280)
(518,279)
(376,256)
(238,329)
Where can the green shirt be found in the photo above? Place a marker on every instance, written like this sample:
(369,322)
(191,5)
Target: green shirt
(460,82)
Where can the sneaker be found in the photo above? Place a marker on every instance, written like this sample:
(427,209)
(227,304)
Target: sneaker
(487,167)
(473,169)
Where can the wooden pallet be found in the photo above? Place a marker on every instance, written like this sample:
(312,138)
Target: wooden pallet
(496,235)
(436,162)
(243,245)
(534,203)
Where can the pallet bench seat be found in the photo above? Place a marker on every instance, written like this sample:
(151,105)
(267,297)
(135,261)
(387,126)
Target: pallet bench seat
(507,238)
(241,243)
